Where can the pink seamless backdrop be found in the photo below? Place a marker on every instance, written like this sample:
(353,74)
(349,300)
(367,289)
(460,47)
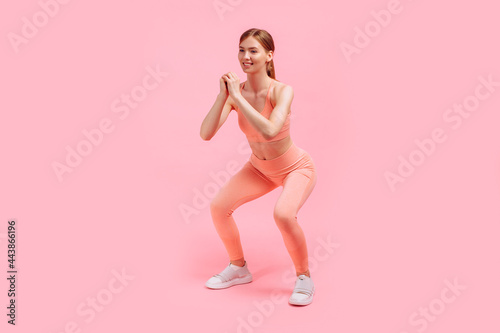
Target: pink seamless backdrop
(123,241)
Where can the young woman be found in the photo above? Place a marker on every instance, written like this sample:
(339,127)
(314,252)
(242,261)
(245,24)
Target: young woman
(263,107)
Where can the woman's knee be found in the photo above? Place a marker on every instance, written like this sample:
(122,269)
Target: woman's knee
(284,218)
(220,207)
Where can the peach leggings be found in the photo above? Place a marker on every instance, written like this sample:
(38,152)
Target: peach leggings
(296,172)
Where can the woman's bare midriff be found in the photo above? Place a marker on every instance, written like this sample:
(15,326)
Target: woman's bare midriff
(270,150)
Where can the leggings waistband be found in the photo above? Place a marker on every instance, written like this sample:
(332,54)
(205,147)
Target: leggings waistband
(290,156)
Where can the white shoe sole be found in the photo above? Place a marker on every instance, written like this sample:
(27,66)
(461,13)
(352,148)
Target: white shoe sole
(227,284)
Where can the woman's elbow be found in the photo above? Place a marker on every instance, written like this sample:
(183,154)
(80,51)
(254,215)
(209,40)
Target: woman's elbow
(270,133)
(205,136)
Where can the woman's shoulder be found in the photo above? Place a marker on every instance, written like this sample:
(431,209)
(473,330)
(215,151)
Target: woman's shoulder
(280,82)
(279,88)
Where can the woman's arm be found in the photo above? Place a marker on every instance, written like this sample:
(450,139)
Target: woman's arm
(215,117)
(269,128)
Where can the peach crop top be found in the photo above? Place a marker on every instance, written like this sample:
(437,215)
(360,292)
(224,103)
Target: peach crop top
(251,133)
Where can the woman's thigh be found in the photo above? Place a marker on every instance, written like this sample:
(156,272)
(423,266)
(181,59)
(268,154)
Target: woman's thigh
(297,186)
(245,185)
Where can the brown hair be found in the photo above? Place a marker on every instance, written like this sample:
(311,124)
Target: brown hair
(265,39)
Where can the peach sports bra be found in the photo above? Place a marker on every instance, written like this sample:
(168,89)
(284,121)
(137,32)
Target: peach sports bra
(251,133)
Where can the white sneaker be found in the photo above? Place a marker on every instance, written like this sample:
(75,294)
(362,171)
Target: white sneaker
(230,276)
(303,292)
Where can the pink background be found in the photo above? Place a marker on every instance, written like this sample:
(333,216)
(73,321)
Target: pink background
(119,210)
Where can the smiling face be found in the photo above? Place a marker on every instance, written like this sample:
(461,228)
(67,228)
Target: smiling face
(252,56)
